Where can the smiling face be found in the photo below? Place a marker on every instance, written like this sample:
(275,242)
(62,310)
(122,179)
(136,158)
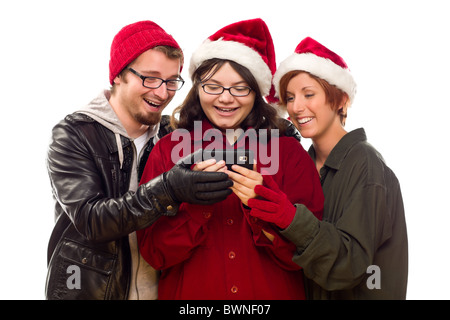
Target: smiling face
(309,110)
(138,106)
(224,110)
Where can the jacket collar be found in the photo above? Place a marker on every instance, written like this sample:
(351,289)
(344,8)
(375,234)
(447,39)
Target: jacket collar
(342,148)
(101,111)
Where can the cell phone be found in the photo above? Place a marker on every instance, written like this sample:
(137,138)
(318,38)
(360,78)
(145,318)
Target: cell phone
(242,157)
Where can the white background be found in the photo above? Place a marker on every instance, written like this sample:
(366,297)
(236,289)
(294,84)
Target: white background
(54,59)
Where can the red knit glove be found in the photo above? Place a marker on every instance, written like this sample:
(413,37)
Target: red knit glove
(277,209)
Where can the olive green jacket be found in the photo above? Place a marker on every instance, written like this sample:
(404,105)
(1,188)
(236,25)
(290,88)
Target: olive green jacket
(360,248)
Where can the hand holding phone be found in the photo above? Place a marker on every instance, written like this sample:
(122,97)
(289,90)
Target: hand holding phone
(244,182)
(243,175)
(241,157)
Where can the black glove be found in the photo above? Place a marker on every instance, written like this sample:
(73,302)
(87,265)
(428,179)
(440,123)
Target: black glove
(196,187)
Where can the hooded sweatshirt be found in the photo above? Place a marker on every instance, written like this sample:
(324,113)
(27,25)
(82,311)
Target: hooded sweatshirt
(144,279)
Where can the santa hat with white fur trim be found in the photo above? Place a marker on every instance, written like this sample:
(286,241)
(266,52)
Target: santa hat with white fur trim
(313,57)
(248,43)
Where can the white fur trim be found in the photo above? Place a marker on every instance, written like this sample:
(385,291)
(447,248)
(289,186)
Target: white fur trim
(238,52)
(320,67)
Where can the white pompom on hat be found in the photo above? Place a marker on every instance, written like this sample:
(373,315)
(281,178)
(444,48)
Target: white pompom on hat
(313,57)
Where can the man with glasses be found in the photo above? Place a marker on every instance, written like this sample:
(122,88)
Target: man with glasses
(95,161)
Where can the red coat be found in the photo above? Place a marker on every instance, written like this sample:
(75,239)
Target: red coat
(219,251)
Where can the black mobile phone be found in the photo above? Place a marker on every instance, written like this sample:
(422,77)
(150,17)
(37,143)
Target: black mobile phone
(242,157)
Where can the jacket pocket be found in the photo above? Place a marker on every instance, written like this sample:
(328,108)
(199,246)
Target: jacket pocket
(79,272)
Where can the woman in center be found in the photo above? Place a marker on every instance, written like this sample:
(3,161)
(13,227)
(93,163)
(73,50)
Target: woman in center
(222,251)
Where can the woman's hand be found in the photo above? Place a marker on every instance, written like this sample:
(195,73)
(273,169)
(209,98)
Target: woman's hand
(244,182)
(210,165)
(273,205)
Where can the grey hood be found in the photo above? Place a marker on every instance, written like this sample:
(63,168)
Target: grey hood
(101,111)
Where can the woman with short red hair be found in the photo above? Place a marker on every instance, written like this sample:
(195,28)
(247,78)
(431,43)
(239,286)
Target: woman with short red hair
(360,249)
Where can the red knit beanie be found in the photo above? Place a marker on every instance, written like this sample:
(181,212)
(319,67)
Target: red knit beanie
(132,41)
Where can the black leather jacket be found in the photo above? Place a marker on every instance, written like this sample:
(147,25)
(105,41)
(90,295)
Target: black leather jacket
(94,210)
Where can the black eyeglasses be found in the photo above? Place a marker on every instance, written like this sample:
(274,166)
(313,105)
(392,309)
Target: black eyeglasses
(236,91)
(155,82)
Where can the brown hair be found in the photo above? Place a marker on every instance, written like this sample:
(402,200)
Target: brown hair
(262,116)
(336,98)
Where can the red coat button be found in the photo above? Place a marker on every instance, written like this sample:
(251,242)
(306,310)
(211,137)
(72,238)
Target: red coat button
(206,215)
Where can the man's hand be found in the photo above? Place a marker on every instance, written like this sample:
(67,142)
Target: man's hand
(196,187)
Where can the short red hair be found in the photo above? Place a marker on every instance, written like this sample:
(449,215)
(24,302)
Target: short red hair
(336,98)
